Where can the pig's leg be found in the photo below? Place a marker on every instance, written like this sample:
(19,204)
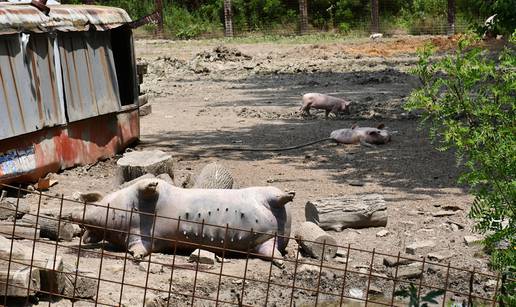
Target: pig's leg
(268,249)
(326,113)
(137,248)
(91,236)
(305,109)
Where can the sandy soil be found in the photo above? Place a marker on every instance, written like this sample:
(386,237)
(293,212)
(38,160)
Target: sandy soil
(206,97)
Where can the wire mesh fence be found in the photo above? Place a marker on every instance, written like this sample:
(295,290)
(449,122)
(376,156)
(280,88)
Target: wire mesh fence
(44,260)
(215,19)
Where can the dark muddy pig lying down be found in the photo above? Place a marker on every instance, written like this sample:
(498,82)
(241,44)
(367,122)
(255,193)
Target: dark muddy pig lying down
(261,209)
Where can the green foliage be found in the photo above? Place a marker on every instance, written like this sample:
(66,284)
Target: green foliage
(505,10)
(469,101)
(415,300)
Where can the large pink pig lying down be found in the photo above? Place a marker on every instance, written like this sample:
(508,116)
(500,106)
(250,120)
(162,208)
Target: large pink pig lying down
(259,208)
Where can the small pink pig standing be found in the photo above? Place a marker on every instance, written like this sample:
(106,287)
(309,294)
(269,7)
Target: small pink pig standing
(324,102)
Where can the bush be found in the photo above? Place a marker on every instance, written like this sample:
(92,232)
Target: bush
(469,102)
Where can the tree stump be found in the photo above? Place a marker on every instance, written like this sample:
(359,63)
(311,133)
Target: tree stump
(137,163)
(312,240)
(338,213)
(214,176)
(49,227)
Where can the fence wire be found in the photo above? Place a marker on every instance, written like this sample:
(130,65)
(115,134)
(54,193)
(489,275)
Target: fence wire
(40,262)
(235,18)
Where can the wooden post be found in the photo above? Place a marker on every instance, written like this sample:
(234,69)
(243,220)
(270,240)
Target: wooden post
(303,17)
(451,17)
(159,8)
(375,17)
(228,19)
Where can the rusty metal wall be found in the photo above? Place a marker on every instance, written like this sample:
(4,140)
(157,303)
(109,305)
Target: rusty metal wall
(28,93)
(89,77)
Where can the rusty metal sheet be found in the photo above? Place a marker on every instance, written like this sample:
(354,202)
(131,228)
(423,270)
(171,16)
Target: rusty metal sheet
(16,18)
(89,77)
(32,156)
(28,88)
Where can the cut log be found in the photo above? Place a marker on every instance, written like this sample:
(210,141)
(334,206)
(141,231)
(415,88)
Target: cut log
(22,230)
(338,213)
(137,163)
(49,227)
(8,208)
(311,238)
(21,283)
(83,287)
(214,176)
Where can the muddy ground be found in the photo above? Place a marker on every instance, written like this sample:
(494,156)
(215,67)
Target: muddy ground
(206,96)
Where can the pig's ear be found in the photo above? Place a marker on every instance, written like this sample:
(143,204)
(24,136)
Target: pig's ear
(347,103)
(354,126)
(381,126)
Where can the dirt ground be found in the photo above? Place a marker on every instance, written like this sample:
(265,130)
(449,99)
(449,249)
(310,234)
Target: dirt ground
(206,96)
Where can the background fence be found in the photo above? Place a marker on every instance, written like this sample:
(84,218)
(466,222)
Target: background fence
(218,18)
(43,259)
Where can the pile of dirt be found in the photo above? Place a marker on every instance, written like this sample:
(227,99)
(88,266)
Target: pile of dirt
(222,53)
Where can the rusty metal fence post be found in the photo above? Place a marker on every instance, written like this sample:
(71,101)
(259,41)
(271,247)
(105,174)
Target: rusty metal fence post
(228,19)
(303,17)
(375,17)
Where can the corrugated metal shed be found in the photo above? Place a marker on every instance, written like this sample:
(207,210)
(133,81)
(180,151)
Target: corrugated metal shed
(15,18)
(29,98)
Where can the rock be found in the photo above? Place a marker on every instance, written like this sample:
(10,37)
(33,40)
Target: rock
(409,272)
(392,262)
(115,268)
(375,290)
(166,177)
(202,256)
(471,240)
(419,247)
(340,260)
(153,269)
(153,300)
(214,176)
(145,110)
(442,213)
(440,256)
(309,268)
(356,293)
(8,207)
(382,233)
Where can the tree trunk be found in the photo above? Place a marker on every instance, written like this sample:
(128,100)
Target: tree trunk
(451,17)
(228,19)
(338,213)
(312,239)
(138,163)
(375,17)
(22,230)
